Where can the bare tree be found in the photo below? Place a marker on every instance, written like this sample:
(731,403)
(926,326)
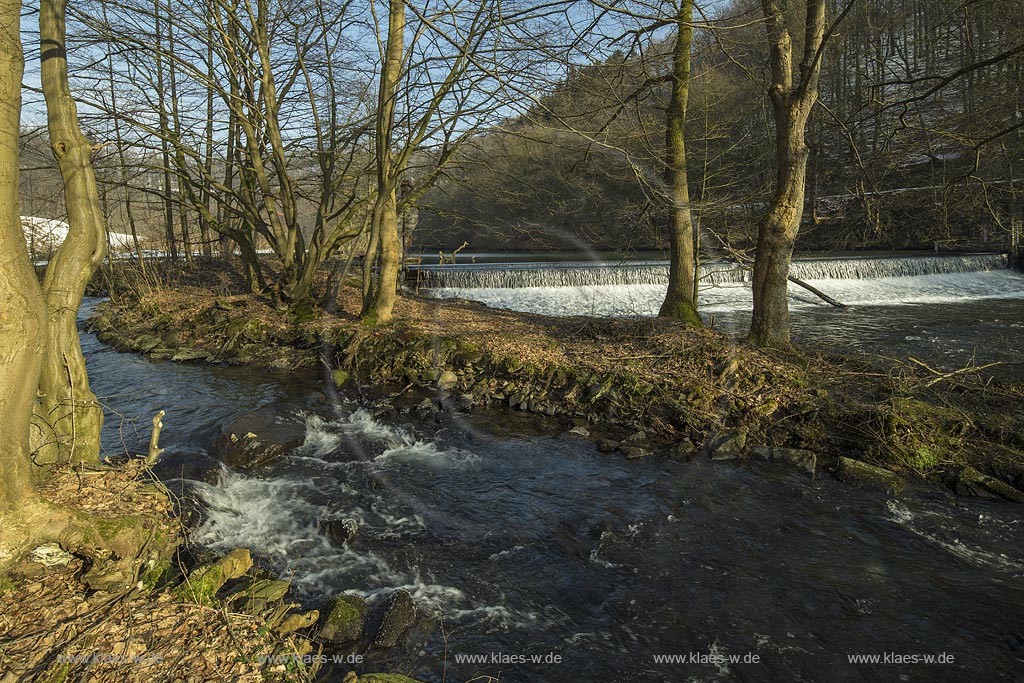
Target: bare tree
(792,98)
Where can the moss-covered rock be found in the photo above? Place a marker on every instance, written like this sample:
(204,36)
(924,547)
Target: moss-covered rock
(342,619)
(867,475)
(201,584)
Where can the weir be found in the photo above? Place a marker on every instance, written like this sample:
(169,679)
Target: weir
(564,274)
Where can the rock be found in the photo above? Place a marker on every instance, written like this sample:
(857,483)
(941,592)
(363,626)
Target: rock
(633,452)
(202,583)
(340,531)
(258,438)
(188,465)
(293,622)
(580,431)
(607,445)
(1008,469)
(727,445)
(397,617)
(862,474)
(146,343)
(447,380)
(342,620)
(186,355)
(637,440)
(426,409)
(798,457)
(458,404)
(685,449)
(970,482)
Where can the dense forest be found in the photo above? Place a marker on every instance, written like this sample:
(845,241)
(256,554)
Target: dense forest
(556,142)
(916,140)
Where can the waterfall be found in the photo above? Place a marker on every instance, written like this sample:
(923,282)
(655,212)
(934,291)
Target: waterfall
(515,275)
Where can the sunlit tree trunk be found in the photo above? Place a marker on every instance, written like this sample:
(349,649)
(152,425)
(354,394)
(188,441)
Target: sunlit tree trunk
(791,108)
(22,312)
(385,216)
(71,417)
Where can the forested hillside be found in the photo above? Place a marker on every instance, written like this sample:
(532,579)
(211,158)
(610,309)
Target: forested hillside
(916,141)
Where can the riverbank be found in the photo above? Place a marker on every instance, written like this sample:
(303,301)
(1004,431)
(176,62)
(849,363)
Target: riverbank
(635,386)
(54,628)
(186,618)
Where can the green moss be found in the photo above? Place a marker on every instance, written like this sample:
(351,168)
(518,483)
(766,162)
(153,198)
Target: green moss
(7,585)
(201,586)
(918,436)
(153,576)
(303,312)
(344,613)
(56,675)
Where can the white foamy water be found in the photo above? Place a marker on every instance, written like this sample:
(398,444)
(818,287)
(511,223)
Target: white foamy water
(355,439)
(645,299)
(280,518)
(933,528)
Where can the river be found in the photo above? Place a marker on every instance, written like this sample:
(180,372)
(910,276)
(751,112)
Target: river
(524,542)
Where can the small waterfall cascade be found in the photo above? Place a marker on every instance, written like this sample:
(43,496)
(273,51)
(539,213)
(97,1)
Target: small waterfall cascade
(588,274)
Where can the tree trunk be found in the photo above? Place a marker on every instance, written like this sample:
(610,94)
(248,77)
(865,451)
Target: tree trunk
(380,305)
(791,108)
(777,233)
(67,406)
(383,303)
(22,311)
(165,126)
(679,300)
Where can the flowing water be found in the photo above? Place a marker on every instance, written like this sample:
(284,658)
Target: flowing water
(523,541)
(952,310)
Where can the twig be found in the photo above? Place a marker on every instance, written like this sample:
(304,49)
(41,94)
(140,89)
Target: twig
(154,439)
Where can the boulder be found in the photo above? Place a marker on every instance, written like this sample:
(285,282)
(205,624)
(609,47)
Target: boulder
(969,481)
(426,409)
(258,438)
(397,616)
(342,620)
(447,380)
(798,457)
(727,444)
(685,449)
(188,465)
(862,474)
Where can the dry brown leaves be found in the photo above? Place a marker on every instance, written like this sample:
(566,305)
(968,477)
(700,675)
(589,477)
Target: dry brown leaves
(51,628)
